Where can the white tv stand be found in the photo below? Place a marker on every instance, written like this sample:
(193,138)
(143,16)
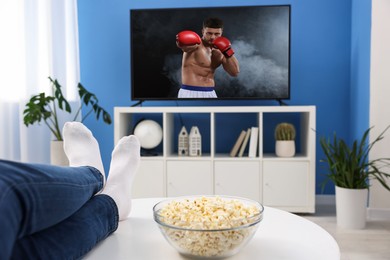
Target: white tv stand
(285,183)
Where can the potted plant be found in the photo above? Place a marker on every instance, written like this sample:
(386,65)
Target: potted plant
(285,140)
(351,170)
(42,107)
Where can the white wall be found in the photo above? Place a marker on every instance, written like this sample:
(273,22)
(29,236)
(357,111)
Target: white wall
(380,92)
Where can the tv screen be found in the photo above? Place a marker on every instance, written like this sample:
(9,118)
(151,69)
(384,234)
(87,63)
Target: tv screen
(240,52)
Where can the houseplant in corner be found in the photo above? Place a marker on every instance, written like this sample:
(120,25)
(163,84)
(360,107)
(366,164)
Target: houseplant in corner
(351,170)
(285,140)
(42,107)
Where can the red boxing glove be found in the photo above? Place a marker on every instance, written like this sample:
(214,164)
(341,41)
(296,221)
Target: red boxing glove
(187,38)
(224,45)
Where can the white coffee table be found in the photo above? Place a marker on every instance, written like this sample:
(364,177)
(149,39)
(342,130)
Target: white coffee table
(281,235)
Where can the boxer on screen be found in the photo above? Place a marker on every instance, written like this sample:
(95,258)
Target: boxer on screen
(202,56)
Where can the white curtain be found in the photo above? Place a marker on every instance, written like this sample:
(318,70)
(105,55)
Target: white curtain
(39,38)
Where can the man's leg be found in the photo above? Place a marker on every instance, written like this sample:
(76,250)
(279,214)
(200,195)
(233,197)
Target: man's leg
(97,219)
(75,236)
(81,147)
(36,196)
(124,164)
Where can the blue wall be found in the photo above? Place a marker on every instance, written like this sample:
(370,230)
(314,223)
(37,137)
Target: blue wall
(360,66)
(327,70)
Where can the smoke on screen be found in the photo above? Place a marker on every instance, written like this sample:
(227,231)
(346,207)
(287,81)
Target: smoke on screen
(258,75)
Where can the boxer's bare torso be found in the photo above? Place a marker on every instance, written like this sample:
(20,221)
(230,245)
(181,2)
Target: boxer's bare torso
(201,60)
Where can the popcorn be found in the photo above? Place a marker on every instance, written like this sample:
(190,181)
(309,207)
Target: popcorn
(213,225)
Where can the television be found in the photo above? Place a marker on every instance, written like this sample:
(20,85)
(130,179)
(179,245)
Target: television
(259,36)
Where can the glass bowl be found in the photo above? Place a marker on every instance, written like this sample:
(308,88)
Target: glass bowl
(208,227)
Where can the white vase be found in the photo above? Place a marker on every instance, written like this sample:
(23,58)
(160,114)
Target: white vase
(351,208)
(57,154)
(285,148)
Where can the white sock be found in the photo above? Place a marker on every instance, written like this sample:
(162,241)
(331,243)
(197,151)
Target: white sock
(124,164)
(81,147)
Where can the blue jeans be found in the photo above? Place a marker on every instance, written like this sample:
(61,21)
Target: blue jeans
(50,212)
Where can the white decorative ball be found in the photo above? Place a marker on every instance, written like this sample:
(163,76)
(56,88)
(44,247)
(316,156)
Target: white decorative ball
(149,133)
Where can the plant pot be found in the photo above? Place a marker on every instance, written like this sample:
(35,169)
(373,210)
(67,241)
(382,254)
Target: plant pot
(57,154)
(285,148)
(351,208)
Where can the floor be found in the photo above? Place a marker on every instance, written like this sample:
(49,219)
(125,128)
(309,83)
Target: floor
(371,243)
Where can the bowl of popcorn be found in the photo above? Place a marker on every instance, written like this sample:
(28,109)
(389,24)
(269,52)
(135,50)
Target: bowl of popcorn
(208,227)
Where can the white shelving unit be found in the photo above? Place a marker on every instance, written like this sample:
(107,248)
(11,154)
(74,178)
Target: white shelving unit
(285,183)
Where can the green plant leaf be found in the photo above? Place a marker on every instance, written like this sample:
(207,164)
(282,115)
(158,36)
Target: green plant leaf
(89,98)
(41,107)
(63,104)
(350,166)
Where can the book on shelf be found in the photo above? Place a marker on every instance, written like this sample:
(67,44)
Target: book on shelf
(244,143)
(237,144)
(253,142)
